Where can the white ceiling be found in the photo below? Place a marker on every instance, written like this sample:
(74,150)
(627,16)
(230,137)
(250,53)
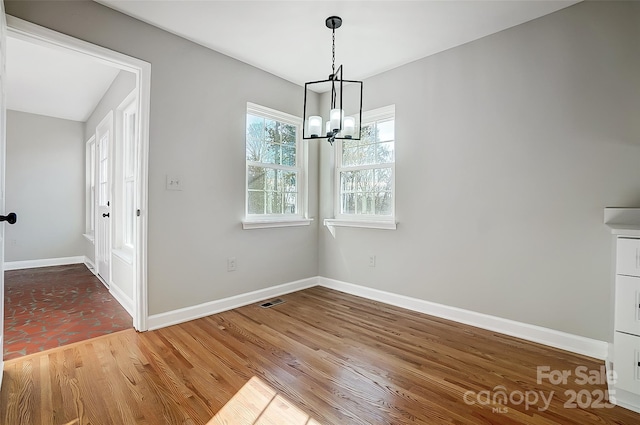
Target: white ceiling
(53,82)
(285,38)
(290,39)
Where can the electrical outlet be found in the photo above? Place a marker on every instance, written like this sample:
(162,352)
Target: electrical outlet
(372,260)
(174,182)
(231,264)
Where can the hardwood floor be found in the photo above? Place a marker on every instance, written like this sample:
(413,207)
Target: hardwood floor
(339,359)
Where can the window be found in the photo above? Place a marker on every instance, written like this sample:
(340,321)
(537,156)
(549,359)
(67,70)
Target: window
(90,184)
(129,132)
(365,174)
(124,182)
(275,169)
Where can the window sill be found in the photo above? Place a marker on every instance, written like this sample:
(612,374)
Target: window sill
(368,224)
(266,224)
(124,254)
(88,237)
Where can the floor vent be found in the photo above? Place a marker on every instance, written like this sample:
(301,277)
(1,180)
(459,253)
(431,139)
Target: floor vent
(271,303)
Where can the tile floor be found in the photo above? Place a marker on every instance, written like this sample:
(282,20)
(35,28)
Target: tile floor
(52,306)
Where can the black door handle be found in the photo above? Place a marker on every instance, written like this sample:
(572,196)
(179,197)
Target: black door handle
(105,214)
(10,218)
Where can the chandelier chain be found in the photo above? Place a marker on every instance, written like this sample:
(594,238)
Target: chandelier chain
(333,51)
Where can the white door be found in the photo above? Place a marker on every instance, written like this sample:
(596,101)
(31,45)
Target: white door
(103,198)
(3,134)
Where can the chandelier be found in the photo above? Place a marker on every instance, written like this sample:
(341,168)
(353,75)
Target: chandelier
(346,95)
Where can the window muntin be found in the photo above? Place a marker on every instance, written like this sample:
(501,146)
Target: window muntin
(274,169)
(365,171)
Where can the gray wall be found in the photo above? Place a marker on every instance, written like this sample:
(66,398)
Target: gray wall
(44,186)
(197,126)
(508,150)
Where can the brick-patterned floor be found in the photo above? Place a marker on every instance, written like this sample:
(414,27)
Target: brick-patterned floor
(52,306)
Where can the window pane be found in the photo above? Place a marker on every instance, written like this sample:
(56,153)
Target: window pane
(348,203)
(271,154)
(367,154)
(289,181)
(271,134)
(255,138)
(288,134)
(365,181)
(129,143)
(256,202)
(274,203)
(383,179)
(365,203)
(347,179)
(289,156)
(384,153)
(256,177)
(129,213)
(383,203)
(386,130)
(350,155)
(271,179)
(368,134)
(290,203)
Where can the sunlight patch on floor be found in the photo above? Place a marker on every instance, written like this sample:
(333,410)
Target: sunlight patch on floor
(257,403)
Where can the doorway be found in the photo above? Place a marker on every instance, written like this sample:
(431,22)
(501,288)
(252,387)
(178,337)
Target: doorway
(28,32)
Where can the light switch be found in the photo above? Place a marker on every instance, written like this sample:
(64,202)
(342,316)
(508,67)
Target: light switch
(174,182)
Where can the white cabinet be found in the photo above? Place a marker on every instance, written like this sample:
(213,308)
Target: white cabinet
(628,256)
(627,314)
(626,340)
(626,361)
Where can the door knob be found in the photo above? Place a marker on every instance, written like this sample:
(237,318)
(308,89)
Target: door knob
(10,218)
(105,214)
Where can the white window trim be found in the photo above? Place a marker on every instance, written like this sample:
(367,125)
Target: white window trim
(89,177)
(364,221)
(128,105)
(264,221)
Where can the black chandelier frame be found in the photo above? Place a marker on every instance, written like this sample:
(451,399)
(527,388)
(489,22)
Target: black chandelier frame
(335,79)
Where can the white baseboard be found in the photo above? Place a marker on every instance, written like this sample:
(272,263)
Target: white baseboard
(122,298)
(47,262)
(565,341)
(157,321)
(90,265)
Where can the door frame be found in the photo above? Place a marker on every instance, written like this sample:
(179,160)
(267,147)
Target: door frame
(27,31)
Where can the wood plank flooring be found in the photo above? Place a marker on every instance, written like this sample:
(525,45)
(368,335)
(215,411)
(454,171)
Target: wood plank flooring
(339,359)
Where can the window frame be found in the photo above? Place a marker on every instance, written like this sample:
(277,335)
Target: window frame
(128,111)
(374,221)
(300,218)
(90,188)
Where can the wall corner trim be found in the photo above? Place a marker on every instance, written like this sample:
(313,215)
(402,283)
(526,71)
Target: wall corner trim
(553,338)
(157,321)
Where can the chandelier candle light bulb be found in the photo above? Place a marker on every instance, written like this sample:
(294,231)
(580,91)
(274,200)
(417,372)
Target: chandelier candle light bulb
(349,127)
(336,117)
(315,125)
